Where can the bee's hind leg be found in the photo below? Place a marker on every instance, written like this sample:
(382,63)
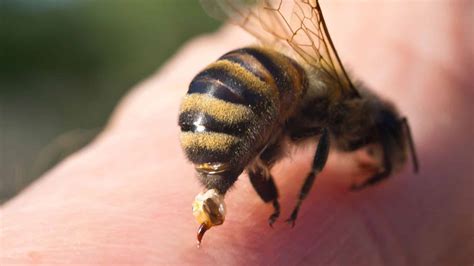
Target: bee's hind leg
(319,161)
(386,171)
(262,181)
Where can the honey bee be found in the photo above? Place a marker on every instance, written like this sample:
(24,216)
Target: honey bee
(241,110)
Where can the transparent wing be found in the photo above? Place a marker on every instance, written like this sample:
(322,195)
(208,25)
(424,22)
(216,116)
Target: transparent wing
(295,24)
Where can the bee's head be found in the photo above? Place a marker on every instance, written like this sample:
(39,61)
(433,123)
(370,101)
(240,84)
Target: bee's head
(209,210)
(394,134)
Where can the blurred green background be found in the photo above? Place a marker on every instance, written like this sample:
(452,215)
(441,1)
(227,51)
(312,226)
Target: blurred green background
(64,65)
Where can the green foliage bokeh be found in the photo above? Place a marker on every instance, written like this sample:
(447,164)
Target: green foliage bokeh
(64,64)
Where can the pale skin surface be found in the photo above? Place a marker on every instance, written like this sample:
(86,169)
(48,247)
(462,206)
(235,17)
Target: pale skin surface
(126,198)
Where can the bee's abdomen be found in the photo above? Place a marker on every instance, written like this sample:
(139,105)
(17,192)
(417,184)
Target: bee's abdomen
(282,72)
(213,129)
(233,105)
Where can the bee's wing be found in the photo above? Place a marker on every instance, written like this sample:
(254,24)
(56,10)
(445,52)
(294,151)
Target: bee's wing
(258,17)
(295,24)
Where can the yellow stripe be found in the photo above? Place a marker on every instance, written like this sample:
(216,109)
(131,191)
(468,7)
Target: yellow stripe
(220,110)
(208,140)
(248,78)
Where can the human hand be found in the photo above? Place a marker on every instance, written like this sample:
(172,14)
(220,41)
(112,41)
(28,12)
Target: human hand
(126,198)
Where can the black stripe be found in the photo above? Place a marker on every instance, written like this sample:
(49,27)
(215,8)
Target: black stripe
(187,123)
(199,155)
(215,88)
(231,82)
(279,74)
(247,64)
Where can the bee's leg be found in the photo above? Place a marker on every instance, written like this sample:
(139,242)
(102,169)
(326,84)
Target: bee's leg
(262,180)
(387,170)
(266,189)
(411,144)
(319,161)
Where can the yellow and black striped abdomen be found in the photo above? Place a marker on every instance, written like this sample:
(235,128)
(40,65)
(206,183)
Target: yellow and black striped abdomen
(233,106)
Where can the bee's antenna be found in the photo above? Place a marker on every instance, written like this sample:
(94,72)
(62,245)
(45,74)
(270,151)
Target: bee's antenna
(411,144)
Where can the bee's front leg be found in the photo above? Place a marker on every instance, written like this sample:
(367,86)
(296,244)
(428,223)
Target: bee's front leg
(385,171)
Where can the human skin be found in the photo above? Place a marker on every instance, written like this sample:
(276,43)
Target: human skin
(126,198)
